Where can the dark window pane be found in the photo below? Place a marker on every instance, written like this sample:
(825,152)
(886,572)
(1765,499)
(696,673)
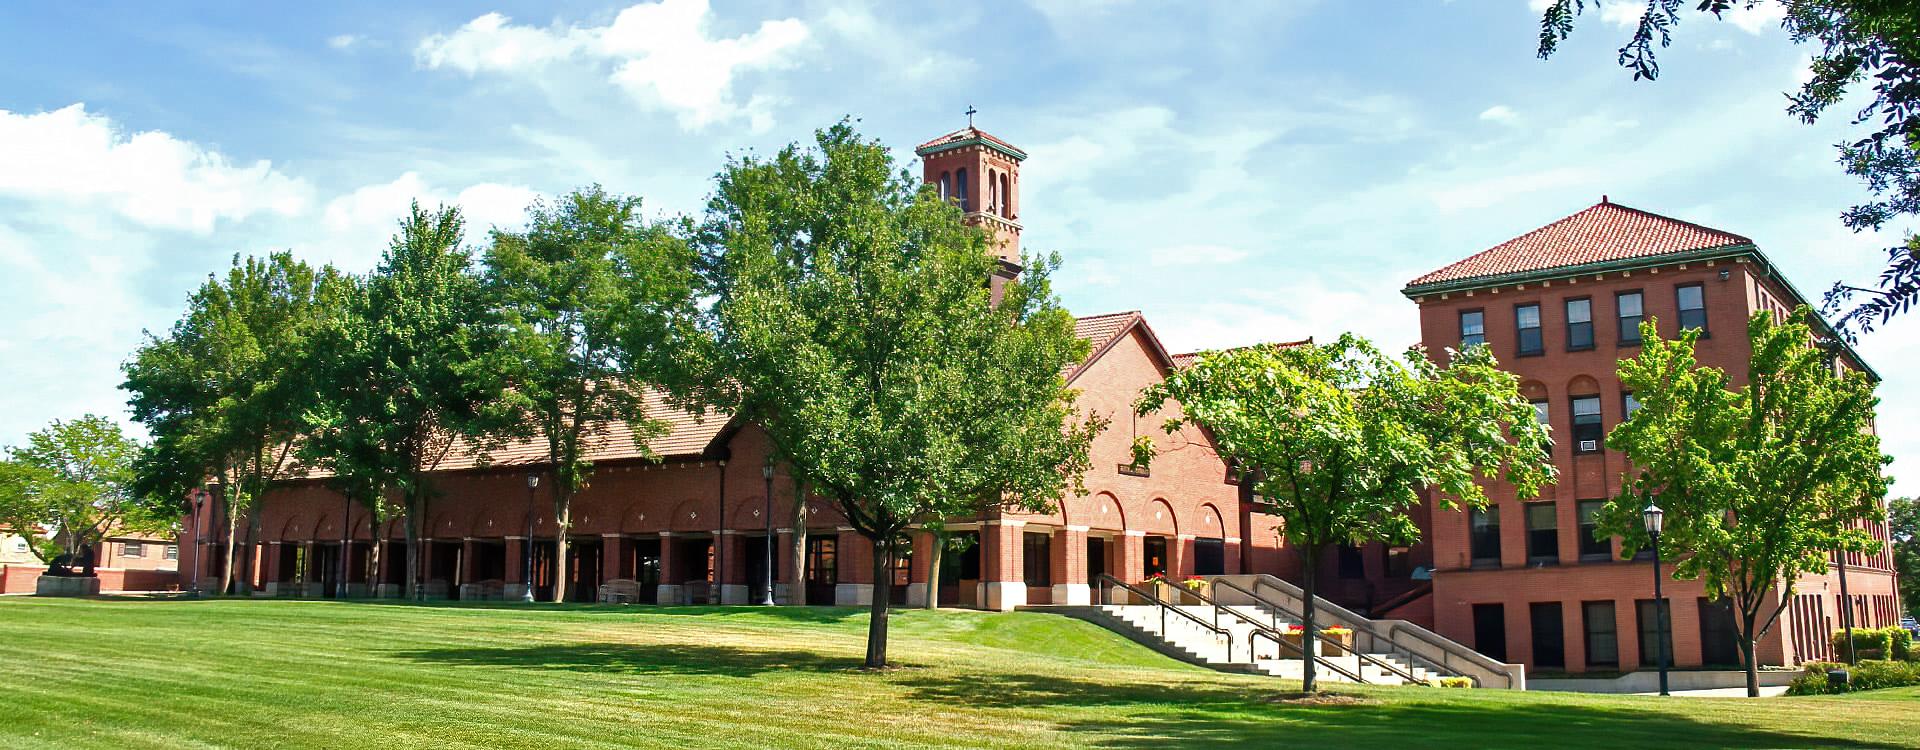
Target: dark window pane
(1473,328)
(1587,430)
(1490,630)
(1549,635)
(1483,526)
(970,558)
(1543,536)
(1693,306)
(1603,638)
(1037,554)
(1632,311)
(1652,629)
(1526,320)
(1579,324)
(1590,548)
(1352,565)
(1209,557)
(1719,638)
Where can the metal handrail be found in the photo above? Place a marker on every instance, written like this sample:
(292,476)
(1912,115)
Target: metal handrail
(1317,636)
(1445,665)
(1164,608)
(1273,634)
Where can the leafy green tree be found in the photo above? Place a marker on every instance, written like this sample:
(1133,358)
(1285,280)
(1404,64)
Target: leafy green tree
(1340,440)
(221,394)
(851,319)
(418,377)
(1762,479)
(1874,42)
(1903,528)
(593,300)
(342,437)
(75,480)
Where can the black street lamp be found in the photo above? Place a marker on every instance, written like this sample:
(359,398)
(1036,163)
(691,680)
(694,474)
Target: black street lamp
(1655,519)
(766,472)
(533,482)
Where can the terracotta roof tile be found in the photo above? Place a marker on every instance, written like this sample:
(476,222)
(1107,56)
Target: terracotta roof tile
(1603,232)
(966,133)
(1187,359)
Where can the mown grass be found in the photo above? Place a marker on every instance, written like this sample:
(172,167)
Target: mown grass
(228,673)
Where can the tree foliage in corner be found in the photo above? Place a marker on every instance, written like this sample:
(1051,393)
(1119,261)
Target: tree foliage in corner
(1903,529)
(1761,480)
(1872,42)
(74,481)
(1341,440)
(593,300)
(852,320)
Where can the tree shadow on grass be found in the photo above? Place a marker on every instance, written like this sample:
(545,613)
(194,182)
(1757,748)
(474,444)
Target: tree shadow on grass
(630,658)
(783,613)
(1196,713)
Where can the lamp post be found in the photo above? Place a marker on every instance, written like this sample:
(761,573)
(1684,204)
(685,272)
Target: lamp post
(201,505)
(1655,519)
(526,595)
(766,472)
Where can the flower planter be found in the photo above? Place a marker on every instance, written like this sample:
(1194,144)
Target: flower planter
(1330,644)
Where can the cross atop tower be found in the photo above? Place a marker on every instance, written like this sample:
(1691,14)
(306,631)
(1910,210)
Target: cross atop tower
(970,113)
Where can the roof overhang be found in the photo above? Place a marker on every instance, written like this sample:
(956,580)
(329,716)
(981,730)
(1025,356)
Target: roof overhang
(1004,149)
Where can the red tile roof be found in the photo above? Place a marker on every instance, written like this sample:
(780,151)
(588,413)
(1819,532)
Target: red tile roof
(968,133)
(1187,359)
(1601,233)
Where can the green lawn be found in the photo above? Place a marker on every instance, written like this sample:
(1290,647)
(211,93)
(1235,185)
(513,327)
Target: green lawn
(182,673)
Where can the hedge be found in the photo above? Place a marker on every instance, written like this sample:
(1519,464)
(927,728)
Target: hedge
(1867,675)
(1892,642)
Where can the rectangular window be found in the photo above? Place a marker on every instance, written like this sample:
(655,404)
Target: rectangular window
(1629,404)
(1473,328)
(1037,558)
(1591,548)
(1603,634)
(172,552)
(1352,564)
(1483,529)
(1632,311)
(1209,557)
(1719,637)
(1526,321)
(1579,324)
(1693,306)
(1655,634)
(1587,431)
(1543,413)
(133,549)
(1549,635)
(1543,534)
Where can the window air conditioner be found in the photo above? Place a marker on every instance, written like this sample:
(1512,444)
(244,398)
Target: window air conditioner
(1589,446)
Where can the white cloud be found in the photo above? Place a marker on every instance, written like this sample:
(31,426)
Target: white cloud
(1499,113)
(660,54)
(359,223)
(1187,255)
(342,41)
(72,157)
(1758,19)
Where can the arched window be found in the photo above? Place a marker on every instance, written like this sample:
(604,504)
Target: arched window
(960,189)
(946,185)
(993,192)
(1006,196)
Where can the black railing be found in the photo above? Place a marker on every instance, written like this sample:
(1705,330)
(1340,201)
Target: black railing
(1164,608)
(1279,640)
(1445,665)
(1353,648)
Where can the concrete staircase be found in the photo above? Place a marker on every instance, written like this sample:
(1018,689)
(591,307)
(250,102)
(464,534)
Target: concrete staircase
(1239,646)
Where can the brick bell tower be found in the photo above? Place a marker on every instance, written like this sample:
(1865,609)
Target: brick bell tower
(980,174)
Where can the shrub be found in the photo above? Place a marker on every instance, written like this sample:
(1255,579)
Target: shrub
(1451,682)
(1892,642)
(1867,675)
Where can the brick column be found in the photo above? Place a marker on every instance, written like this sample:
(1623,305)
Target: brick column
(854,574)
(1131,565)
(732,573)
(1070,566)
(787,575)
(668,591)
(515,586)
(1001,570)
(269,564)
(614,557)
(1181,566)
(921,573)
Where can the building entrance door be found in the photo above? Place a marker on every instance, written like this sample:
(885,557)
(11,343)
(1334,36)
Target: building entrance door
(822,570)
(646,569)
(1154,556)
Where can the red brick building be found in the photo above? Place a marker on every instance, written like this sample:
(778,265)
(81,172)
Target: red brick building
(1560,305)
(694,526)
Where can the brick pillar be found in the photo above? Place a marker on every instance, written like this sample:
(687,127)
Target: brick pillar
(786,575)
(669,588)
(732,573)
(1001,570)
(920,572)
(1181,551)
(854,574)
(515,586)
(1070,566)
(614,557)
(269,564)
(1132,563)
(467,568)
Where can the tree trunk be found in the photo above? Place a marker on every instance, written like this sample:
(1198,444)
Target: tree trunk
(797,589)
(226,574)
(373,558)
(1749,646)
(882,592)
(1309,633)
(415,509)
(934,553)
(252,550)
(562,521)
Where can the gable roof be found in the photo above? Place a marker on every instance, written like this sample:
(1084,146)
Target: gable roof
(969,136)
(1604,233)
(1186,360)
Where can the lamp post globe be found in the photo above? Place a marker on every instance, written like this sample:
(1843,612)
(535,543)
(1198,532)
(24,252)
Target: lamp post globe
(1655,520)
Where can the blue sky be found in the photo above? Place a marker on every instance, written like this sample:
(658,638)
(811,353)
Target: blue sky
(1238,173)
